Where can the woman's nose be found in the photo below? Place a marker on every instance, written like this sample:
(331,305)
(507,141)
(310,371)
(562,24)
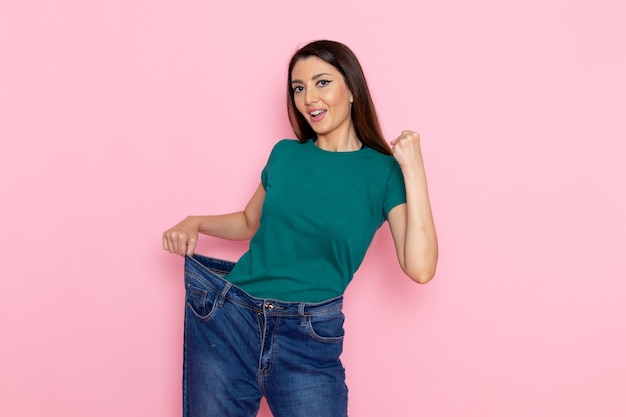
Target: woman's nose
(310,96)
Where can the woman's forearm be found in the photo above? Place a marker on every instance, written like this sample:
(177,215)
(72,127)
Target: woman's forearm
(412,223)
(420,243)
(183,237)
(232,226)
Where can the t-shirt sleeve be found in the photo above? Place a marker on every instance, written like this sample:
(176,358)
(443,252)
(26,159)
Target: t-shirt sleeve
(395,192)
(265,173)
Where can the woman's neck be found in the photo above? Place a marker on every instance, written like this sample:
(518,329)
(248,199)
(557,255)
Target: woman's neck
(337,142)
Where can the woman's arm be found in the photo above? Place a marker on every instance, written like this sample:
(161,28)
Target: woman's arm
(182,238)
(412,224)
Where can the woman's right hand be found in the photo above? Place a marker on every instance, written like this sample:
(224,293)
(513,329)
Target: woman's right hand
(182,238)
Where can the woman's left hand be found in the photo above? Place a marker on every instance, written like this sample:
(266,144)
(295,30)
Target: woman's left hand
(406,149)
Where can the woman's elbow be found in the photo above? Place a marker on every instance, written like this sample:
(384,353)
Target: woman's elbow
(420,275)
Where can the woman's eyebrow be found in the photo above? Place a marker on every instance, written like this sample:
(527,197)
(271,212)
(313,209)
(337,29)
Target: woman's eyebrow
(315,77)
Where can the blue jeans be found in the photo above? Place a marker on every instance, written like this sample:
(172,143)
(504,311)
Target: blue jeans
(239,348)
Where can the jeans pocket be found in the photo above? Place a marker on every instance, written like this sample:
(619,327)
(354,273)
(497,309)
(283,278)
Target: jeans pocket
(326,327)
(200,301)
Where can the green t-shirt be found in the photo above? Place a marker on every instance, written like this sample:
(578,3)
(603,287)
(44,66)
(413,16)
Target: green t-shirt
(320,214)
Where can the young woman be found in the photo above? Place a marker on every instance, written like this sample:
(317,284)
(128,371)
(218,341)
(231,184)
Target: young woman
(271,324)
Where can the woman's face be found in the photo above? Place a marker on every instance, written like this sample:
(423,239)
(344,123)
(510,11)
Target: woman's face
(322,97)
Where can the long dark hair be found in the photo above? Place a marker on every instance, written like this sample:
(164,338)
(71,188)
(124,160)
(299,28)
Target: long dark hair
(364,116)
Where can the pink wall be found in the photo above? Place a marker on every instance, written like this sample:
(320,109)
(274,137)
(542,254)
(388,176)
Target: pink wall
(119,117)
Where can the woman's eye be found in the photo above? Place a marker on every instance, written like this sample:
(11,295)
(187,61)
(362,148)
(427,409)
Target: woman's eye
(323,83)
(298,89)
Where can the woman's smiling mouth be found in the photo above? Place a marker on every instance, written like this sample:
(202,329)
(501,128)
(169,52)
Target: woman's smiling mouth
(317,115)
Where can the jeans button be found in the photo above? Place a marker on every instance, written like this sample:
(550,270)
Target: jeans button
(269,305)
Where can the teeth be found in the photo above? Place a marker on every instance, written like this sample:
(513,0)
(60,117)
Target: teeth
(316,112)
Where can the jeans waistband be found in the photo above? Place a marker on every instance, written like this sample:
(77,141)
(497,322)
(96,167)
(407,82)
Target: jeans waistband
(212,272)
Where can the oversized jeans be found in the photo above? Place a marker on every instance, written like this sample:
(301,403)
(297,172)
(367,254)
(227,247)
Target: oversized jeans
(239,348)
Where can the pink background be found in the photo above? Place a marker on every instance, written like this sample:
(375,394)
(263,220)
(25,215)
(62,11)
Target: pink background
(120,117)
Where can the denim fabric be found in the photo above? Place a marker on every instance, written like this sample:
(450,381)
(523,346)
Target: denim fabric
(239,348)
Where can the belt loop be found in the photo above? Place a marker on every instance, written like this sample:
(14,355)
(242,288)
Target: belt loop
(220,298)
(301,314)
